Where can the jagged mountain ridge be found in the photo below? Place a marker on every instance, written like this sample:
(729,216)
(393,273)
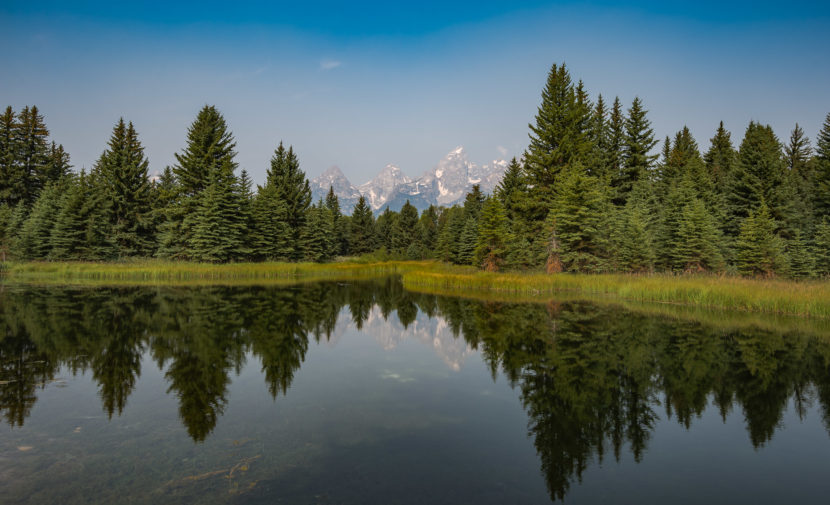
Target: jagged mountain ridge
(445,184)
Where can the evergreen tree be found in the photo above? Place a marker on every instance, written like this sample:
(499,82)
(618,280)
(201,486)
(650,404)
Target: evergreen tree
(292,188)
(340,240)
(385,227)
(58,165)
(758,176)
(11,178)
(802,262)
(759,249)
(473,202)
(35,234)
(821,183)
(600,136)
(616,140)
(467,242)
(493,236)
(317,234)
(209,146)
(218,229)
(68,238)
(11,234)
(559,136)
(721,157)
(362,228)
(272,237)
(428,230)
(633,234)
(798,151)
(209,153)
(821,248)
(449,235)
(637,160)
(512,189)
(123,170)
(578,220)
(698,237)
(33,153)
(405,228)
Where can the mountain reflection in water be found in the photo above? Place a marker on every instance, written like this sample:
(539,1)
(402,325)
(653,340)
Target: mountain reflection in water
(592,379)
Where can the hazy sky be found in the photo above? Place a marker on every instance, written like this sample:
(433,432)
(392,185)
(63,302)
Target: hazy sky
(363,85)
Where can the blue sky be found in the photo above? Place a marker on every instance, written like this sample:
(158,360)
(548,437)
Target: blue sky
(361,85)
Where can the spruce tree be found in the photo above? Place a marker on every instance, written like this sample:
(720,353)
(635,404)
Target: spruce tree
(449,235)
(821,248)
(633,233)
(428,230)
(272,238)
(559,136)
(697,249)
(209,153)
(473,202)
(637,160)
(123,170)
(218,229)
(578,218)
(721,157)
(802,262)
(58,165)
(293,189)
(467,242)
(11,178)
(821,183)
(493,236)
(385,228)
(758,176)
(316,235)
(512,189)
(32,153)
(405,228)
(600,136)
(340,240)
(362,228)
(68,238)
(616,140)
(759,250)
(35,234)
(798,151)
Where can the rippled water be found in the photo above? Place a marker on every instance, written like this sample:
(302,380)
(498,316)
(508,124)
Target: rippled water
(367,393)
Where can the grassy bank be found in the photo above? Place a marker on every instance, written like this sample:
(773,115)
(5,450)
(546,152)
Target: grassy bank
(724,293)
(167,272)
(707,292)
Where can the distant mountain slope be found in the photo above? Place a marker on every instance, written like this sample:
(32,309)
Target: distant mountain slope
(446,183)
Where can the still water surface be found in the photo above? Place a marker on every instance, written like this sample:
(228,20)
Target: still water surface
(366,393)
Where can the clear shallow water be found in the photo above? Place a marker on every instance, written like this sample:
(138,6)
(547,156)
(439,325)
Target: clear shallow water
(365,393)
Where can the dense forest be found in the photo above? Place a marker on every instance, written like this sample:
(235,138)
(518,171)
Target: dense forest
(590,194)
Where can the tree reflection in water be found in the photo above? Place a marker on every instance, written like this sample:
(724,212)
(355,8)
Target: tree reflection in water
(592,378)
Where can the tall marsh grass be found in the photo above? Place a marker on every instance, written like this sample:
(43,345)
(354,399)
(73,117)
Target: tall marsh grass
(807,298)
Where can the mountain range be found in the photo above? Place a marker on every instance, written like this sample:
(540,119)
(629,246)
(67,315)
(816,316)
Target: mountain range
(446,183)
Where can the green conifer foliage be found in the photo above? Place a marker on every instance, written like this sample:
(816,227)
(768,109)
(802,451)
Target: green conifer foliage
(758,175)
(35,234)
(633,235)
(32,156)
(68,238)
(493,236)
(822,175)
(467,242)
(760,251)
(340,228)
(428,230)
(698,238)
(600,137)
(821,248)
(802,261)
(218,228)
(11,180)
(385,227)
(209,146)
(123,171)
(616,139)
(317,234)
(449,235)
(578,218)
(721,157)
(293,189)
(272,237)
(404,231)
(798,151)
(362,224)
(637,158)
(560,134)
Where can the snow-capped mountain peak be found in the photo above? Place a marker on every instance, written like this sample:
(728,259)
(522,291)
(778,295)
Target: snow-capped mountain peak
(447,183)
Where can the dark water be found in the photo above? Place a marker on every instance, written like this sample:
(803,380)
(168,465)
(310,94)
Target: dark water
(366,393)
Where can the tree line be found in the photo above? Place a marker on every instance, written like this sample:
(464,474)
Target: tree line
(589,194)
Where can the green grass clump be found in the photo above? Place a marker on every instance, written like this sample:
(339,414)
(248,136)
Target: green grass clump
(169,272)
(803,298)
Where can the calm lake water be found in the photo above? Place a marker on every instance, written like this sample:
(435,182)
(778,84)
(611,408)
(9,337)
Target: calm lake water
(352,393)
